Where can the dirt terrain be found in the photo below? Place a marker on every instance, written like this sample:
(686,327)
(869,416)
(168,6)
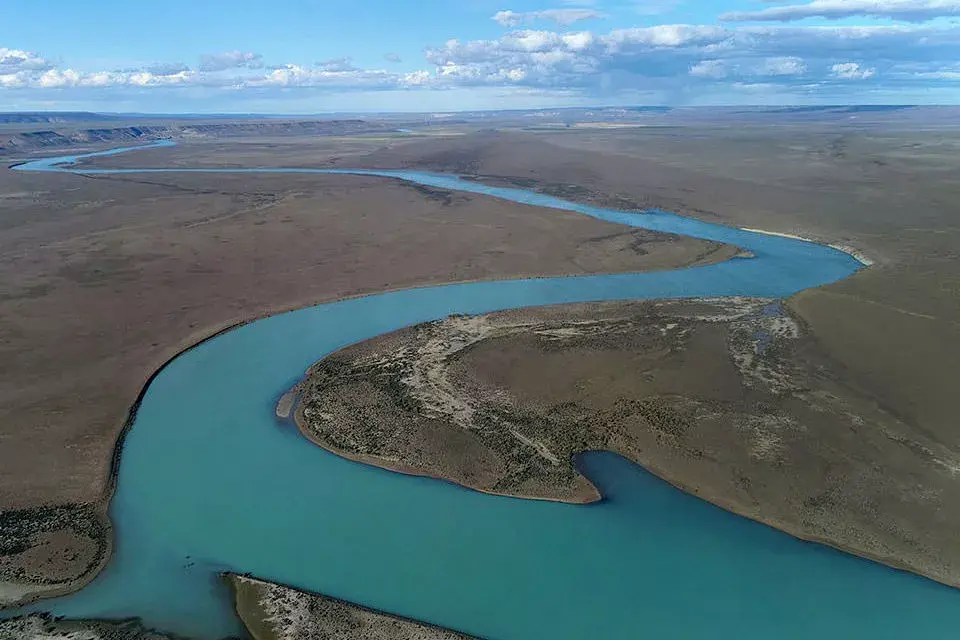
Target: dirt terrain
(732,399)
(106,278)
(273,612)
(44,628)
(892,194)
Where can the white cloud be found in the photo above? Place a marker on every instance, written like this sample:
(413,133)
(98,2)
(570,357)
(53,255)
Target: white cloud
(785,66)
(710,69)
(54,78)
(416,79)
(851,71)
(667,35)
(944,74)
(297,76)
(230,60)
(167,69)
(665,62)
(686,58)
(769,67)
(337,64)
(908,10)
(562,17)
(950,72)
(16,60)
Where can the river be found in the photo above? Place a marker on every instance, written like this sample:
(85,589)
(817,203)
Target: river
(208,482)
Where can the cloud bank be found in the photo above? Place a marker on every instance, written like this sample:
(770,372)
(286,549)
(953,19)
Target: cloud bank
(677,63)
(561,17)
(906,10)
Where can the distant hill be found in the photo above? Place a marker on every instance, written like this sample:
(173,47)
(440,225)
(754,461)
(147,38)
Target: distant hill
(58,138)
(53,117)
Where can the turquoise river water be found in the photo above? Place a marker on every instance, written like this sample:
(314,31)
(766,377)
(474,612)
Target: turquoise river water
(209,482)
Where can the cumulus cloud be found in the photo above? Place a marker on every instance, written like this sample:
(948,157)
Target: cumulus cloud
(745,68)
(678,57)
(337,64)
(63,78)
(562,17)
(16,60)
(166,69)
(716,69)
(679,61)
(785,66)
(230,60)
(851,71)
(296,76)
(908,10)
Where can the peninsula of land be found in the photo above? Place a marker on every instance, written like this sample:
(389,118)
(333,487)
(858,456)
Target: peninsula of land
(730,399)
(110,277)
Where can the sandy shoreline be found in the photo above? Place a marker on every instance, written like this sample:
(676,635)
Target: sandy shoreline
(855,253)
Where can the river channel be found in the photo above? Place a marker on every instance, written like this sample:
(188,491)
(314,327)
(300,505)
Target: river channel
(209,482)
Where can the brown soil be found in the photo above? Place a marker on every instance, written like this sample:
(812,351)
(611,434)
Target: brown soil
(732,400)
(105,279)
(37,627)
(892,194)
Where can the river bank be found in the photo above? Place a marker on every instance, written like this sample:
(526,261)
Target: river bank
(716,397)
(850,250)
(205,277)
(276,612)
(442,547)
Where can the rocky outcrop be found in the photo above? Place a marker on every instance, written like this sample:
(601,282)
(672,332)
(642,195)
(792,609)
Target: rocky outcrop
(275,612)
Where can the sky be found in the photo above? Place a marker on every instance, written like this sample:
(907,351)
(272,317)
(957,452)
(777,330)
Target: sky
(320,56)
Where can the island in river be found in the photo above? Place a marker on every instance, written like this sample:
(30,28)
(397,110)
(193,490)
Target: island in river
(730,399)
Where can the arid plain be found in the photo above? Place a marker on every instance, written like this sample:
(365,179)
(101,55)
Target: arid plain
(106,278)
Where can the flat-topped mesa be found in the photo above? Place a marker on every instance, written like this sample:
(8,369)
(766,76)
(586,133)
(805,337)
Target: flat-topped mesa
(730,399)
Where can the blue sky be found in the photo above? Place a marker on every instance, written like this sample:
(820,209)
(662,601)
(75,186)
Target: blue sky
(311,56)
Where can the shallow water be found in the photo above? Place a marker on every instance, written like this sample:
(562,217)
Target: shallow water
(210,482)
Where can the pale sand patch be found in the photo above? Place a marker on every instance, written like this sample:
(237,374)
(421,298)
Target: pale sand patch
(855,253)
(287,402)
(12,593)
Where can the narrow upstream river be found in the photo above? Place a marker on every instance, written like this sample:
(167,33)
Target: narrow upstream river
(209,483)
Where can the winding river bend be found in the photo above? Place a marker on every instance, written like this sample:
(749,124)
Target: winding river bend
(208,483)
